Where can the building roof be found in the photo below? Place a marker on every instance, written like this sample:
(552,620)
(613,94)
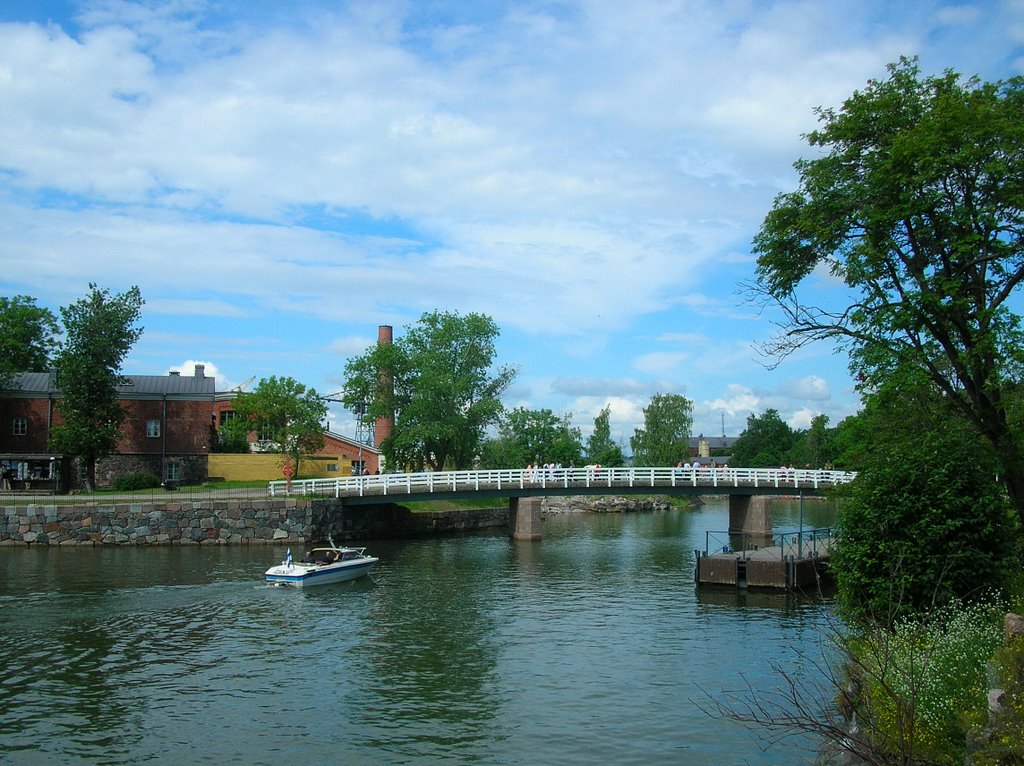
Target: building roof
(713,442)
(349,440)
(134,386)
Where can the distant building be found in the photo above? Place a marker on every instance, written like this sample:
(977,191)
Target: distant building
(704,446)
(166,431)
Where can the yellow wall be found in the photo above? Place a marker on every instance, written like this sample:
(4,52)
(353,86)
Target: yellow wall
(254,467)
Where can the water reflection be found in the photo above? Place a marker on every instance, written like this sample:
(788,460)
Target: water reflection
(590,645)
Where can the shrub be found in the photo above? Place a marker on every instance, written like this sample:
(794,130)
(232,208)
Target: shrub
(924,685)
(133,481)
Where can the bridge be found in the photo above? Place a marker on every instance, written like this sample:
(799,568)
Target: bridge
(525,487)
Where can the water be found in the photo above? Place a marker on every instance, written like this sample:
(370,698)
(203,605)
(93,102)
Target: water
(590,646)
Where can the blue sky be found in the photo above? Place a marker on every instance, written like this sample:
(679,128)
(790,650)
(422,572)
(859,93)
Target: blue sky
(281,178)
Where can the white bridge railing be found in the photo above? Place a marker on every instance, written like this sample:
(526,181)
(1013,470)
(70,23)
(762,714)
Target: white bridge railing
(514,479)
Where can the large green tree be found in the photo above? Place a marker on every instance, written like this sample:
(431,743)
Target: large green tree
(601,449)
(914,202)
(27,336)
(440,382)
(664,438)
(287,417)
(765,442)
(99,331)
(815,447)
(534,436)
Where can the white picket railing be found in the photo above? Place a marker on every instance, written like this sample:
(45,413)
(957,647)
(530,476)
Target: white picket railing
(512,479)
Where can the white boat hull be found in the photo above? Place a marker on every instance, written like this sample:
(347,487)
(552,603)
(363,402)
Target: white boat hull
(355,564)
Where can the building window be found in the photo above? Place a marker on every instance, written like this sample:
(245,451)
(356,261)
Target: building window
(19,426)
(153,428)
(173,472)
(332,468)
(226,416)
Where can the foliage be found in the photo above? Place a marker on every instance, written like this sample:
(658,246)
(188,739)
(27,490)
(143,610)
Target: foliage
(133,481)
(815,447)
(600,447)
(286,416)
(232,437)
(99,332)
(923,685)
(530,437)
(665,436)
(439,384)
(905,696)
(1002,743)
(764,443)
(926,520)
(27,335)
(916,205)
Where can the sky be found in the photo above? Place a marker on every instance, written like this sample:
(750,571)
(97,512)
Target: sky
(279,179)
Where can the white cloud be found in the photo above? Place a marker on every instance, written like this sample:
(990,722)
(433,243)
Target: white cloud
(810,387)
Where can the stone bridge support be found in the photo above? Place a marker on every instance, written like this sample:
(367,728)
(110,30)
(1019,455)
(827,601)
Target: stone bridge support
(524,517)
(750,515)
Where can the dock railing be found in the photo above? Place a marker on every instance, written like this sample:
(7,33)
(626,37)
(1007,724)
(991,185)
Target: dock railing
(809,543)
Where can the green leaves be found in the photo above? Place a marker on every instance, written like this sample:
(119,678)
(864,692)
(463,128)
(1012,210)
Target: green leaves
(27,335)
(100,330)
(664,438)
(287,417)
(440,384)
(916,203)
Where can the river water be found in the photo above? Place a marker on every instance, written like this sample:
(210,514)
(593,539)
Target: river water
(591,646)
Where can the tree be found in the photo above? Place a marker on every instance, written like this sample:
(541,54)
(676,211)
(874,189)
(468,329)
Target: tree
(765,442)
(917,207)
(926,521)
(600,447)
(665,437)
(533,436)
(439,384)
(99,331)
(286,416)
(27,334)
(815,447)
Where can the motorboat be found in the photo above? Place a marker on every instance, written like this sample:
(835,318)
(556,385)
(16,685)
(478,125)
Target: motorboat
(322,566)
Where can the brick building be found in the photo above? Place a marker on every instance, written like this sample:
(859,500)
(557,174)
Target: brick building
(166,431)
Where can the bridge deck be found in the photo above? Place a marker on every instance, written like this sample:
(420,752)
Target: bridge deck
(564,481)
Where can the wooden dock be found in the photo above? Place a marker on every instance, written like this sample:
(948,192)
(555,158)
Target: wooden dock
(795,561)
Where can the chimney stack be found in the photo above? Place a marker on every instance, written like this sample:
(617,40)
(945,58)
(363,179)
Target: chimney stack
(383,426)
(200,370)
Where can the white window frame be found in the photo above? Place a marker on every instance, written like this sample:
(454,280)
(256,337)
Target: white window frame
(153,428)
(19,425)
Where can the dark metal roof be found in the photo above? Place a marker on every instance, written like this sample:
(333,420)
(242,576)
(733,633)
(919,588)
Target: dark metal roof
(44,384)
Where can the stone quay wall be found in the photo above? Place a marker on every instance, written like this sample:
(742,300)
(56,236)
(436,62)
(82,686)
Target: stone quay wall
(214,522)
(285,521)
(229,522)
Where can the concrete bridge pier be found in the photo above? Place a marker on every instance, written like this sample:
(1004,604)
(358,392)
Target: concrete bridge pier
(750,515)
(524,517)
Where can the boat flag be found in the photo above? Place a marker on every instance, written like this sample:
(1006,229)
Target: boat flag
(288,558)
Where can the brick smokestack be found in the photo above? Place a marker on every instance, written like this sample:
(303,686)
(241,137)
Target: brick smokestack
(383,426)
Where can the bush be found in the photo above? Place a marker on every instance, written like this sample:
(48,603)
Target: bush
(924,685)
(133,481)
(925,523)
